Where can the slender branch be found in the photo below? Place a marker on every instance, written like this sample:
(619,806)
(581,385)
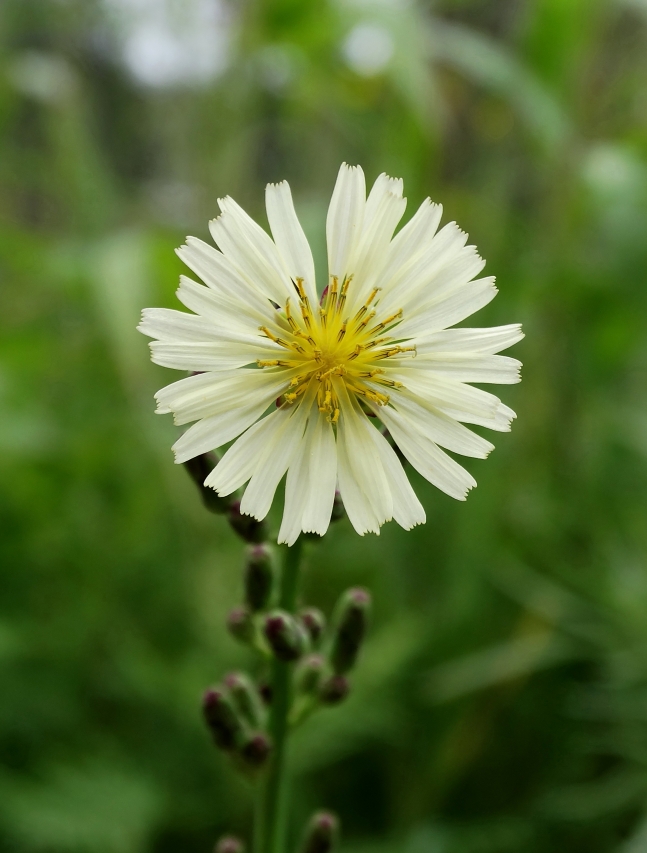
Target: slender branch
(270,836)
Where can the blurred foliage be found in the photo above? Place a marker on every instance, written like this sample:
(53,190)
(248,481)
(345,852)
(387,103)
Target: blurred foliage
(501,704)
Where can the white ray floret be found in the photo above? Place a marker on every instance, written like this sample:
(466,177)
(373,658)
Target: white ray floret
(312,385)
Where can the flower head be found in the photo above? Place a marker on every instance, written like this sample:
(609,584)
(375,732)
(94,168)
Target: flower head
(309,383)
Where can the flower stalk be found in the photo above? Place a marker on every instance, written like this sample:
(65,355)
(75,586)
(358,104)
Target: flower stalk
(273,790)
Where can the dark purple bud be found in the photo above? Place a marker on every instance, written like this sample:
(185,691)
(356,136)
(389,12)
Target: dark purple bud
(309,673)
(199,469)
(246,527)
(265,690)
(256,749)
(334,689)
(221,717)
(229,844)
(240,624)
(259,576)
(349,627)
(313,621)
(285,636)
(321,834)
(246,698)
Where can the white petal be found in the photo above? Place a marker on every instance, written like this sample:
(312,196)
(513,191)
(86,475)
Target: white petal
(247,246)
(359,511)
(209,303)
(482,341)
(426,457)
(407,509)
(442,392)
(345,219)
(500,421)
(242,458)
(446,247)
(353,431)
(322,475)
(289,237)
(410,243)
(440,428)
(296,487)
(498,369)
(373,247)
(213,432)
(449,309)
(165,324)
(383,186)
(212,393)
(208,356)
(273,464)
(221,275)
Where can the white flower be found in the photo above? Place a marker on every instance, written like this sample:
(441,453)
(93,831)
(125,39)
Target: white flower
(304,382)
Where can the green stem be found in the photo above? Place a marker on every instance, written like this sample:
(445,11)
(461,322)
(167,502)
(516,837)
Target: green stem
(271,816)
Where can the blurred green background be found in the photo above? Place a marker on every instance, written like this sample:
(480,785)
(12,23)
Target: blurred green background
(501,704)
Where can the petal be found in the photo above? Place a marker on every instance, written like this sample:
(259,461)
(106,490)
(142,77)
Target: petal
(442,392)
(165,324)
(242,458)
(450,309)
(322,475)
(221,275)
(354,432)
(359,511)
(208,356)
(250,249)
(498,369)
(289,237)
(213,432)
(444,248)
(410,243)
(426,457)
(224,315)
(374,245)
(345,219)
(296,487)
(273,464)
(407,509)
(482,341)
(212,393)
(500,421)
(440,428)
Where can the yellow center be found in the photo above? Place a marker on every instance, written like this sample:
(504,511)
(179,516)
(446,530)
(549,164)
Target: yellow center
(329,346)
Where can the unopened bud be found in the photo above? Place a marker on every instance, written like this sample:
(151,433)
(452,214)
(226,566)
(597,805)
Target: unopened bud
(199,469)
(221,717)
(334,689)
(321,833)
(313,621)
(309,673)
(229,844)
(285,636)
(265,689)
(256,748)
(338,510)
(350,620)
(259,576)
(245,697)
(241,625)
(248,528)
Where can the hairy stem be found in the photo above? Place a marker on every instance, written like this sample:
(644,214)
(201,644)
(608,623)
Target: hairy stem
(271,815)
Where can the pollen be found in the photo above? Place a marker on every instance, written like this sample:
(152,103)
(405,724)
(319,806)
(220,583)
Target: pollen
(336,342)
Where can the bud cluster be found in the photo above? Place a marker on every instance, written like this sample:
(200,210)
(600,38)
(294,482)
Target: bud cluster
(235,716)
(318,656)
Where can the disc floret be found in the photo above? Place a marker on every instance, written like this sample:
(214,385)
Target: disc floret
(332,345)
